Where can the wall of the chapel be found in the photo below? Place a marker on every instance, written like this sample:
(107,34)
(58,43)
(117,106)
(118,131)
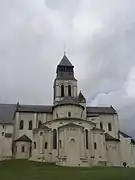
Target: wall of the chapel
(6,142)
(113,119)
(94,119)
(26,117)
(98,153)
(40,153)
(113,153)
(22,155)
(127,151)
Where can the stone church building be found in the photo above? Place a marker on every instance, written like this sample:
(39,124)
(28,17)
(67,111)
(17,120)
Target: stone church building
(68,133)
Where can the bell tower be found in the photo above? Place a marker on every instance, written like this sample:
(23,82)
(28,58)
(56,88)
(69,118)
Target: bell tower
(65,83)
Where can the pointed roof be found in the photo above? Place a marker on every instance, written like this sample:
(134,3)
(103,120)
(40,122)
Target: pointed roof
(97,129)
(124,134)
(23,138)
(127,136)
(65,62)
(71,125)
(81,98)
(43,127)
(108,137)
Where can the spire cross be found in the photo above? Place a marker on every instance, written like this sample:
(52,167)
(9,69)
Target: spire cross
(64,49)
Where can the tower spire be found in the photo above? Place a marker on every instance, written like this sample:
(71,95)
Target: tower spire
(65,83)
(65,69)
(64,52)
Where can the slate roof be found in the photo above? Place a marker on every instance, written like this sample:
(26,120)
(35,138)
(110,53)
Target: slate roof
(124,134)
(108,137)
(7,113)
(65,70)
(69,101)
(35,108)
(23,138)
(101,110)
(127,136)
(65,62)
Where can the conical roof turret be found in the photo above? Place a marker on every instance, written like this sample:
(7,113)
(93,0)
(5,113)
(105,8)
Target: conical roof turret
(81,98)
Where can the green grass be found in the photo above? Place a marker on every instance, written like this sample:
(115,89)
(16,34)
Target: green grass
(26,170)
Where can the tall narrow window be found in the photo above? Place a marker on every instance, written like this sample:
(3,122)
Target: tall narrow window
(62,90)
(54,139)
(69,90)
(21,124)
(60,144)
(109,127)
(69,114)
(95,145)
(39,124)
(34,145)
(46,145)
(86,139)
(41,133)
(30,125)
(101,125)
(23,149)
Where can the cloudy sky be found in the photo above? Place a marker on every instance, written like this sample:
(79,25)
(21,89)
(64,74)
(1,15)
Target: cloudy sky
(99,36)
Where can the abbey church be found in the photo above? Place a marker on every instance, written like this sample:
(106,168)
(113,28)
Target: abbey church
(67,133)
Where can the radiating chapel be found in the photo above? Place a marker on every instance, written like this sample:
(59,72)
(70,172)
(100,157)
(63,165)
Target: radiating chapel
(67,133)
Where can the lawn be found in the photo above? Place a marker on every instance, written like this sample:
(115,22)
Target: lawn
(25,170)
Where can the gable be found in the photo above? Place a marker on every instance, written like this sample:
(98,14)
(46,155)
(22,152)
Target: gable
(108,137)
(23,138)
(72,125)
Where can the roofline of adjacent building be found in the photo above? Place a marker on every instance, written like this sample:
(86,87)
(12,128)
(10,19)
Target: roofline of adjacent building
(66,104)
(69,118)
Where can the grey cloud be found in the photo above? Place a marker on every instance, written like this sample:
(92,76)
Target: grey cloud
(111,57)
